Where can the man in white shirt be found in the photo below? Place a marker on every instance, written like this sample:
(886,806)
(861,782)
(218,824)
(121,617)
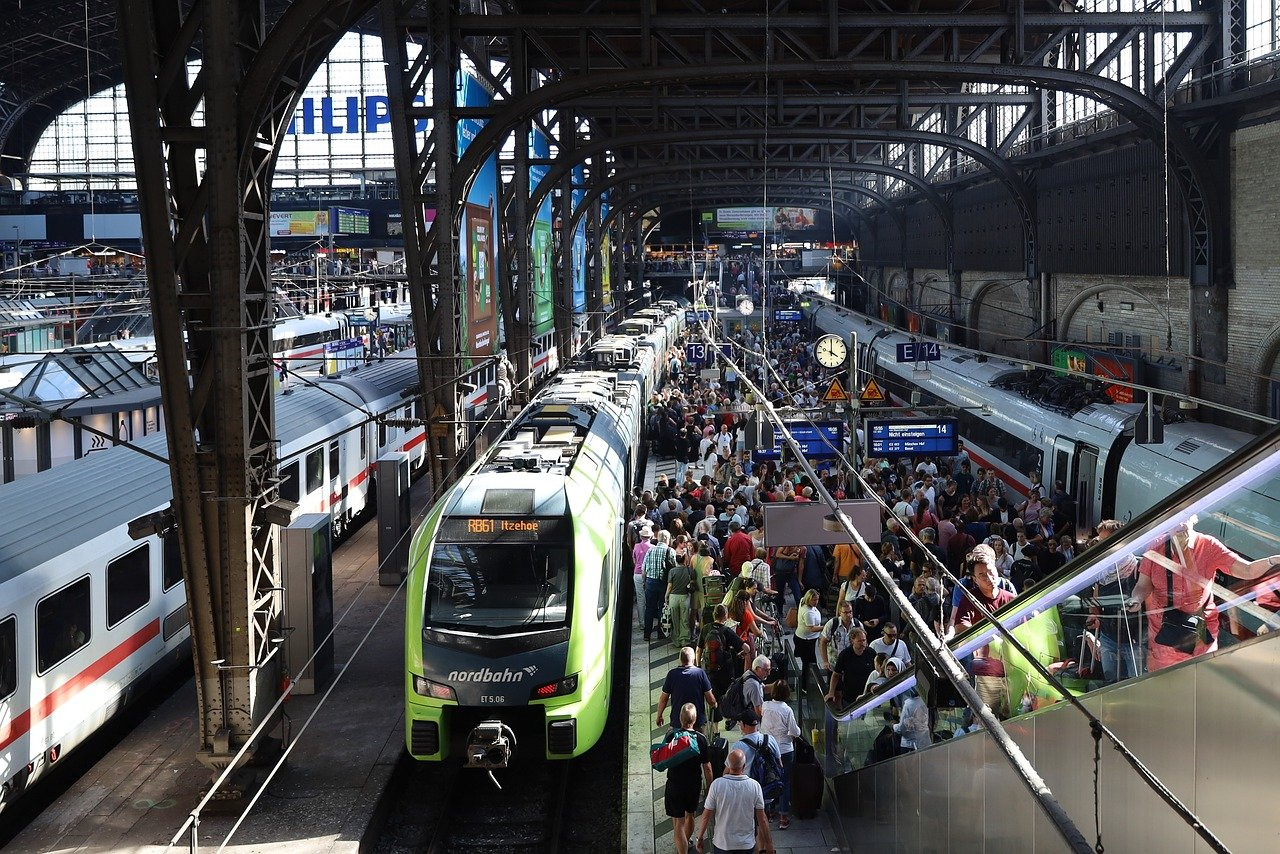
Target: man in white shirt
(927,467)
(891,645)
(737,804)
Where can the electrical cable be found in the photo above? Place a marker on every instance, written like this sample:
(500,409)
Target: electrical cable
(193,817)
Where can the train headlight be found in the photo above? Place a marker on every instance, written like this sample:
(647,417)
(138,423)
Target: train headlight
(559,688)
(438,690)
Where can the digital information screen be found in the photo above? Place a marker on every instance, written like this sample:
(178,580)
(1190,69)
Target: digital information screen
(498,529)
(787,315)
(821,440)
(914,436)
(350,220)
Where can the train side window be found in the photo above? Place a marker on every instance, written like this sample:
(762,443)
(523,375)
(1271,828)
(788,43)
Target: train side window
(170,561)
(335,459)
(289,482)
(8,656)
(364,444)
(382,435)
(315,470)
(606,579)
(128,584)
(62,624)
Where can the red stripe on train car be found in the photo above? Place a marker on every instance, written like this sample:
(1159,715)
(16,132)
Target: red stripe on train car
(314,351)
(21,723)
(415,441)
(975,459)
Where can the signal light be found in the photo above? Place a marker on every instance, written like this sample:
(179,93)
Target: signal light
(559,688)
(427,688)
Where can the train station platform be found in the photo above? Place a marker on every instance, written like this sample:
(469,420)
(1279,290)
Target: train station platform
(648,829)
(325,797)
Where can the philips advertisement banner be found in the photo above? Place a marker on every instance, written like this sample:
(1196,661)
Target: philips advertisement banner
(579,245)
(478,240)
(541,260)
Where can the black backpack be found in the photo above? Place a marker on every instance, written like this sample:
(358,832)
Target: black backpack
(718,654)
(734,704)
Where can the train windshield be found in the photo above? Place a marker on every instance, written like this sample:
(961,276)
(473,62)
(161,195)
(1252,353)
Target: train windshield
(498,586)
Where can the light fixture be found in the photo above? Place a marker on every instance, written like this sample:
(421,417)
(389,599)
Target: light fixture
(1028,367)
(831,522)
(1188,405)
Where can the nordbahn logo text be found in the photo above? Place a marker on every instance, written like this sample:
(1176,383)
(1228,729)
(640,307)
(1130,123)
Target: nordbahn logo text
(484,674)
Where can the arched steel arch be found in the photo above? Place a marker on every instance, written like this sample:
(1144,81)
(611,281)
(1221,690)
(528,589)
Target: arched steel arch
(929,192)
(1202,197)
(209,230)
(600,188)
(1004,172)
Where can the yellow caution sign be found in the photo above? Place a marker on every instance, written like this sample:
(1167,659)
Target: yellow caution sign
(872,393)
(835,392)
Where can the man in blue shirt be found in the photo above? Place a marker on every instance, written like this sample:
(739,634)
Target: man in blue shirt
(687,683)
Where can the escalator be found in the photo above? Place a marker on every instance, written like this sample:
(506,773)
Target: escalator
(1204,721)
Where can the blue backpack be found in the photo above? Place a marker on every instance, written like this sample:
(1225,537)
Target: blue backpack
(766,769)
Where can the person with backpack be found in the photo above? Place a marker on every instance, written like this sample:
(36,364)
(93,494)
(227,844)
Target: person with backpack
(763,759)
(746,693)
(718,654)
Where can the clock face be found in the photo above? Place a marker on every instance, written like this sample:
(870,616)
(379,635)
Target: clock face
(831,351)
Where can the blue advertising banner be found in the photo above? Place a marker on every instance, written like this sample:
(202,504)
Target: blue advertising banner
(579,245)
(478,239)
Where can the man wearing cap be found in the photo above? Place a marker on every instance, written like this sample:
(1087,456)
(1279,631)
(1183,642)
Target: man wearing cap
(738,547)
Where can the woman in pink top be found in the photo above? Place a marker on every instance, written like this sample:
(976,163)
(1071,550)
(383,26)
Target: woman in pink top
(1193,559)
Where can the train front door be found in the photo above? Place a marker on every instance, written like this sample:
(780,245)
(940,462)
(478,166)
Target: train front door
(1075,465)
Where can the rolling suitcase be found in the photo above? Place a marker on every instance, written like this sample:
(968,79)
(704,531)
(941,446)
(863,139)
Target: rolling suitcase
(806,782)
(719,754)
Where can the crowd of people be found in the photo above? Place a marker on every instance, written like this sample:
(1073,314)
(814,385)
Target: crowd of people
(955,537)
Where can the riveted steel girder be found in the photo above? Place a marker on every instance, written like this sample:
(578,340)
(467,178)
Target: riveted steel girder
(1194,180)
(700,176)
(206,238)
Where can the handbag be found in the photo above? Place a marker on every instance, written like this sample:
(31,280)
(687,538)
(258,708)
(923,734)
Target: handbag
(793,617)
(676,749)
(1179,629)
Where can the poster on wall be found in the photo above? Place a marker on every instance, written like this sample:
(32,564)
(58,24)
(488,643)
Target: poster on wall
(299,223)
(606,260)
(1118,368)
(478,246)
(541,261)
(579,245)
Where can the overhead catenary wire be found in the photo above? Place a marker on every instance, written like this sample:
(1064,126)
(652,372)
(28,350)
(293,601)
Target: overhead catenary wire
(193,817)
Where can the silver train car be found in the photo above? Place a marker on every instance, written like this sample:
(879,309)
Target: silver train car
(88,615)
(1089,445)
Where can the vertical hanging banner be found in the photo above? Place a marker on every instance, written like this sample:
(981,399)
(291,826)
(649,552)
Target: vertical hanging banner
(478,240)
(579,244)
(541,260)
(606,259)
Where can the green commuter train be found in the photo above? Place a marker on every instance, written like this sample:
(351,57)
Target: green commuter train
(515,576)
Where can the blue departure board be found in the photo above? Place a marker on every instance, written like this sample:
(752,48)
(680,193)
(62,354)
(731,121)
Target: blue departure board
(912,436)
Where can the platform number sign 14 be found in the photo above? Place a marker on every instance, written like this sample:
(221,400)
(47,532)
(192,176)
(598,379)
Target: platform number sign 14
(919,351)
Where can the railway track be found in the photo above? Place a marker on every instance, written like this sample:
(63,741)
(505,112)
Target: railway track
(526,816)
